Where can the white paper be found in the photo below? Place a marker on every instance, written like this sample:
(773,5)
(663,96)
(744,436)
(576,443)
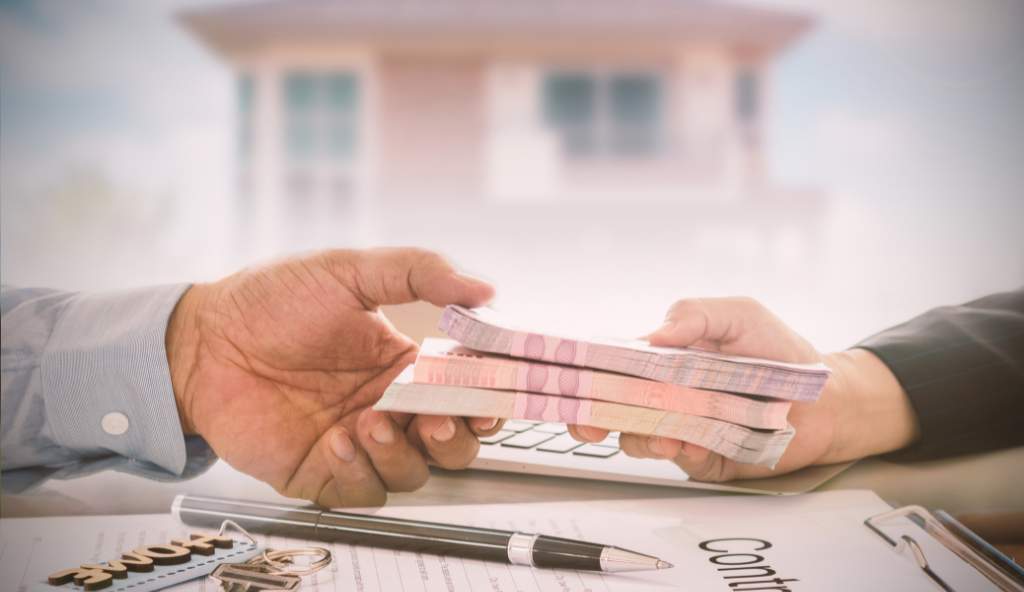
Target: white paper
(818,542)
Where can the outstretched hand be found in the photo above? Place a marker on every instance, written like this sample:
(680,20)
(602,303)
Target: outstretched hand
(277,367)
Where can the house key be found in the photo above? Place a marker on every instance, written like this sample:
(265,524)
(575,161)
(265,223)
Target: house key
(243,577)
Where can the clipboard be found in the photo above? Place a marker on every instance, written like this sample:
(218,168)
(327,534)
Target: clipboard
(1001,570)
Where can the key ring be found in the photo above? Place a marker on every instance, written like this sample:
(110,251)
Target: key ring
(232,524)
(282,564)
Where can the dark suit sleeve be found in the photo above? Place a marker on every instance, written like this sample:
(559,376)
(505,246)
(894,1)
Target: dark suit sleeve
(963,369)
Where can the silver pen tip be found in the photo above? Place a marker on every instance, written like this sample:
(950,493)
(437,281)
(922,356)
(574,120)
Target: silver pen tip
(616,559)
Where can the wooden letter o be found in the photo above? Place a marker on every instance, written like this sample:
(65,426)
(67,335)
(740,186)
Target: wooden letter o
(165,554)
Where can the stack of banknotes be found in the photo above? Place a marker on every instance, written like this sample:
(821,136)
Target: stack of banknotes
(732,405)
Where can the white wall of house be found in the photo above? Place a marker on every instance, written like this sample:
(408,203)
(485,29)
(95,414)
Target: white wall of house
(704,154)
(523,158)
(705,118)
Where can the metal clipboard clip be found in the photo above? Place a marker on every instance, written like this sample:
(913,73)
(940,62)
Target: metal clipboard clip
(972,549)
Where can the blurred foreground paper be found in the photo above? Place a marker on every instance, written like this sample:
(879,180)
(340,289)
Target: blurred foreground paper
(809,542)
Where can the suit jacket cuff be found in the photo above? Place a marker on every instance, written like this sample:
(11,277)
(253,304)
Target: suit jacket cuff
(961,369)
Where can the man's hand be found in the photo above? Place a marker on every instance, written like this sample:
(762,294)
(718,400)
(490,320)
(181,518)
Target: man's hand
(276,369)
(862,410)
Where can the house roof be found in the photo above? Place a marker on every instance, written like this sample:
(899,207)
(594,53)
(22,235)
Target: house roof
(240,26)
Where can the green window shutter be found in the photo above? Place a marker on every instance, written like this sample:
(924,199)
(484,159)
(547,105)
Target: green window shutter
(300,98)
(748,95)
(341,93)
(635,113)
(570,105)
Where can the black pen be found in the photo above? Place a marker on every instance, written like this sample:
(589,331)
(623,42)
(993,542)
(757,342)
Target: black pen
(411,535)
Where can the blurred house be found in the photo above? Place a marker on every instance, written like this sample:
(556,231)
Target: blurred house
(499,100)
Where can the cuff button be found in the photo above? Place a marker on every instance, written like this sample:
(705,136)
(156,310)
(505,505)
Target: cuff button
(115,423)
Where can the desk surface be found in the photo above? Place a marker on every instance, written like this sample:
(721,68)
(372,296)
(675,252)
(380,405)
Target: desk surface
(984,482)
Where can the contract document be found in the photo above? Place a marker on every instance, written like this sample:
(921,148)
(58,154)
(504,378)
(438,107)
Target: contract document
(809,542)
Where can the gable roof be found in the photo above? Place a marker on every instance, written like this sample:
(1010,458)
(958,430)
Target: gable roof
(235,26)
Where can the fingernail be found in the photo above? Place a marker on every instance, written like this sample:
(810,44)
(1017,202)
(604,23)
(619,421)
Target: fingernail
(445,432)
(382,433)
(665,327)
(470,278)
(691,451)
(657,446)
(486,290)
(342,446)
(484,424)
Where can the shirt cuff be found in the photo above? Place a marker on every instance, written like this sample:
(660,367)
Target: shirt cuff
(106,379)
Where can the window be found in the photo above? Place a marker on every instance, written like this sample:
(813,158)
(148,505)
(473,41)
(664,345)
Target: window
(569,107)
(245,91)
(618,114)
(321,112)
(748,97)
(636,113)
(246,97)
(321,116)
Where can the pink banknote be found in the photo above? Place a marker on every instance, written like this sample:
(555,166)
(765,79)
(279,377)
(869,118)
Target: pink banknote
(483,330)
(443,361)
(737,442)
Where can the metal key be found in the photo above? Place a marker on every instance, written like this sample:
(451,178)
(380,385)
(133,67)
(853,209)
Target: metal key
(242,577)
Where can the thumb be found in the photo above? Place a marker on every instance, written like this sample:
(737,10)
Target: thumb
(400,275)
(698,321)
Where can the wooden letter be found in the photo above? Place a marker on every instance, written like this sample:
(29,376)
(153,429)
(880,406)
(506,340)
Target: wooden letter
(90,579)
(165,554)
(204,544)
(112,567)
(136,562)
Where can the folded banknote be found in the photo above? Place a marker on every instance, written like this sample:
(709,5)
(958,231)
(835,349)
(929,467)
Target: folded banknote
(733,441)
(443,361)
(483,330)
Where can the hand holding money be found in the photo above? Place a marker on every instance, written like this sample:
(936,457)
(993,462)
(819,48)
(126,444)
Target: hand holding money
(276,367)
(862,410)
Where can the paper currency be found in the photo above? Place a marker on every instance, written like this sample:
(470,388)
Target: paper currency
(732,441)
(481,329)
(443,361)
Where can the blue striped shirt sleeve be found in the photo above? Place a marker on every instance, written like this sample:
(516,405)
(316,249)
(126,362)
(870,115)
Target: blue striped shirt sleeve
(86,387)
